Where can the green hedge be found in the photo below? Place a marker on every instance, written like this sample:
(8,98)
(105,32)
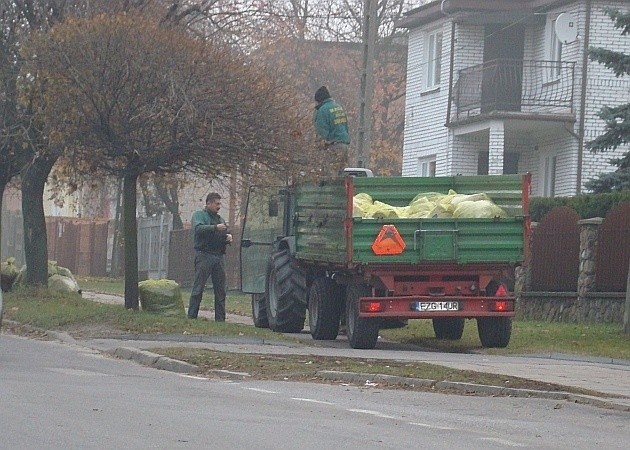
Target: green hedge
(587,206)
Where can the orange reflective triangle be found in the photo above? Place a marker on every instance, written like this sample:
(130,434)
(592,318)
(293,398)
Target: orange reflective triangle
(388,242)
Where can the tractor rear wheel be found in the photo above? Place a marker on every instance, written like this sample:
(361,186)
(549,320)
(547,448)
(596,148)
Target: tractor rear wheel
(325,300)
(259,311)
(285,294)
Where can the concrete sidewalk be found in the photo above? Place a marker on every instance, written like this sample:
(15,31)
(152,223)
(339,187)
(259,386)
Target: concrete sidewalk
(603,375)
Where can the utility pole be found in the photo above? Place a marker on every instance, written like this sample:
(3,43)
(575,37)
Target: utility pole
(370,26)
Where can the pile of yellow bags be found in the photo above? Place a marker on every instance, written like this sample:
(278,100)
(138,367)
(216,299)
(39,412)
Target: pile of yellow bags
(429,205)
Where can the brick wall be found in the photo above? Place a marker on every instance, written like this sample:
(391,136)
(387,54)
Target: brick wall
(425,111)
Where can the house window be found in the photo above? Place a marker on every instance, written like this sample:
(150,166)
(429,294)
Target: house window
(548,176)
(554,50)
(426,167)
(433,59)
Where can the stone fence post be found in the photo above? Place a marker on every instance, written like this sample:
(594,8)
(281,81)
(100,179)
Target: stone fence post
(523,275)
(589,230)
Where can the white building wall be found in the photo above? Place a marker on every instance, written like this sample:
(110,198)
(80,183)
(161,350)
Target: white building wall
(562,144)
(425,110)
(603,89)
(468,46)
(425,134)
(467,150)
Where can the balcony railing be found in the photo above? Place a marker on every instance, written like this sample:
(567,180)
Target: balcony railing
(507,85)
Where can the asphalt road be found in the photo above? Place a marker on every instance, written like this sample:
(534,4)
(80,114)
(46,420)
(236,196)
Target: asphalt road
(55,395)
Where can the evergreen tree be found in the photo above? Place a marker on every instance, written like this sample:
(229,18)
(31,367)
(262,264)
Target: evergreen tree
(617,118)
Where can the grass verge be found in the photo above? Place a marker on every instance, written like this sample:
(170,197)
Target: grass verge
(528,337)
(84,318)
(236,302)
(305,368)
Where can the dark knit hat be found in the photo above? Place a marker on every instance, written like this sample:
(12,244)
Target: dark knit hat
(322,94)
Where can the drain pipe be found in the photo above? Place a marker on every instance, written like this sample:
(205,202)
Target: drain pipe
(578,187)
(450,68)
(450,76)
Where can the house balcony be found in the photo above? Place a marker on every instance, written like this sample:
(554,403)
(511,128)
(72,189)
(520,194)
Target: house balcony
(527,94)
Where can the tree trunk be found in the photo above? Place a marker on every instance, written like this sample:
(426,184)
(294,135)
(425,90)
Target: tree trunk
(35,238)
(130,236)
(170,198)
(626,314)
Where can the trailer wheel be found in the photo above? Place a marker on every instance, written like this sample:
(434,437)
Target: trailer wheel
(325,300)
(450,328)
(494,332)
(259,311)
(362,333)
(285,296)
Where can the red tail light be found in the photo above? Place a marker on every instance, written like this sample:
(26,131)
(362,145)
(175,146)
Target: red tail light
(501,291)
(502,306)
(371,307)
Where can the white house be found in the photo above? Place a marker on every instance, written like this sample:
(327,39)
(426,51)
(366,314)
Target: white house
(506,86)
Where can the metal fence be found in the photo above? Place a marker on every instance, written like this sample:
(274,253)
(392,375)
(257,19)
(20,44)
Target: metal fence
(613,250)
(556,262)
(153,245)
(78,244)
(541,87)
(556,252)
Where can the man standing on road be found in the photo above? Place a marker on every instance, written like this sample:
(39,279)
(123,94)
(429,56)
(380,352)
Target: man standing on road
(331,124)
(210,238)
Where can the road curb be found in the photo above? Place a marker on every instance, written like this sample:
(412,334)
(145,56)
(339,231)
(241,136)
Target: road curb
(470,388)
(154,360)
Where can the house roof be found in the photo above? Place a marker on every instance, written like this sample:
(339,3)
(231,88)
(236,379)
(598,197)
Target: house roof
(432,11)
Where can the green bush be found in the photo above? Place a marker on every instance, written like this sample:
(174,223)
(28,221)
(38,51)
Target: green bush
(587,206)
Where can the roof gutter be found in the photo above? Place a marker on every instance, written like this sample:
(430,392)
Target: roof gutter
(434,10)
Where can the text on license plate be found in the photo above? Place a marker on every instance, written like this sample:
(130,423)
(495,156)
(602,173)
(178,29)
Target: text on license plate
(436,306)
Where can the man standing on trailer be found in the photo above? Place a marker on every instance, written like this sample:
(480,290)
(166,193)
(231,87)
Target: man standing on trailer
(331,124)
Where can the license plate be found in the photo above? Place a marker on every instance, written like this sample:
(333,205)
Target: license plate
(436,306)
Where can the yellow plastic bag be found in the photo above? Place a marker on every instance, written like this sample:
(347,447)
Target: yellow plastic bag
(457,199)
(440,212)
(380,210)
(481,209)
(419,209)
(361,202)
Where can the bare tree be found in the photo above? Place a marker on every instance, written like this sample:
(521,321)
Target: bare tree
(24,149)
(133,96)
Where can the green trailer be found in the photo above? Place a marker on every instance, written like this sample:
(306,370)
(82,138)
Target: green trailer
(305,249)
